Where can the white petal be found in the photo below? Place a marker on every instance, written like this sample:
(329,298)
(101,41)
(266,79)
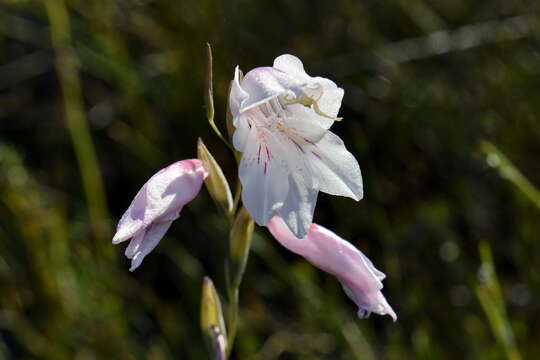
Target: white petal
(241,133)
(297,211)
(292,65)
(301,199)
(306,122)
(266,83)
(151,238)
(135,244)
(237,95)
(264,175)
(330,100)
(336,170)
(133,219)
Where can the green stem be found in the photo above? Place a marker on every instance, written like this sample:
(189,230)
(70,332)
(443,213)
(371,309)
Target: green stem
(237,193)
(239,245)
(232,319)
(241,225)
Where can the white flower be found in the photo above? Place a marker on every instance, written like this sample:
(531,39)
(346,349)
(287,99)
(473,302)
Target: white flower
(282,116)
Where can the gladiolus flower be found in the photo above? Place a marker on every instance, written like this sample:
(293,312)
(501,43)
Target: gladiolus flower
(329,252)
(281,117)
(156,206)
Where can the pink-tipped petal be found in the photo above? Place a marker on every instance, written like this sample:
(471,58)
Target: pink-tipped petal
(329,252)
(156,205)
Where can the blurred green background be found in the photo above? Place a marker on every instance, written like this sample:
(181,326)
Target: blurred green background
(441,109)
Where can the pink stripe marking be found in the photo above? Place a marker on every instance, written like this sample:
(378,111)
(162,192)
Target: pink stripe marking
(298,146)
(310,142)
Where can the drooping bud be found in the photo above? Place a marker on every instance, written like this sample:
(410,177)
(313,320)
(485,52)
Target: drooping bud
(156,206)
(361,281)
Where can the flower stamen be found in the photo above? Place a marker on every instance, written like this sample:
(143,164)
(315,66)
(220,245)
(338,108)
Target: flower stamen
(311,103)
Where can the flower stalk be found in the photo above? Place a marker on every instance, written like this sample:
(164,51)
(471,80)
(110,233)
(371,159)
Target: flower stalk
(239,244)
(240,222)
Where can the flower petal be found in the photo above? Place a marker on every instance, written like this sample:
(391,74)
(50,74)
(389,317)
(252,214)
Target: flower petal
(241,134)
(135,244)
(145,243)
(298,208)
(237,94)
(336,170)
(331,253)
(331,97)
(292,65)
(263,173)
(304,121)
(266,83)
(133,219)
(330,100)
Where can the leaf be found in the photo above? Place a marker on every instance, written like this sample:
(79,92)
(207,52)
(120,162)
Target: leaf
(239,245)
(491,299)
(216,183)
(497,159)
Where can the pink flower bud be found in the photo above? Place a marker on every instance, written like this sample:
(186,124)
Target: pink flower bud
(156,206)
(326,250)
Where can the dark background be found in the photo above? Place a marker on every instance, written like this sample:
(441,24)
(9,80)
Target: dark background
(441,110)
